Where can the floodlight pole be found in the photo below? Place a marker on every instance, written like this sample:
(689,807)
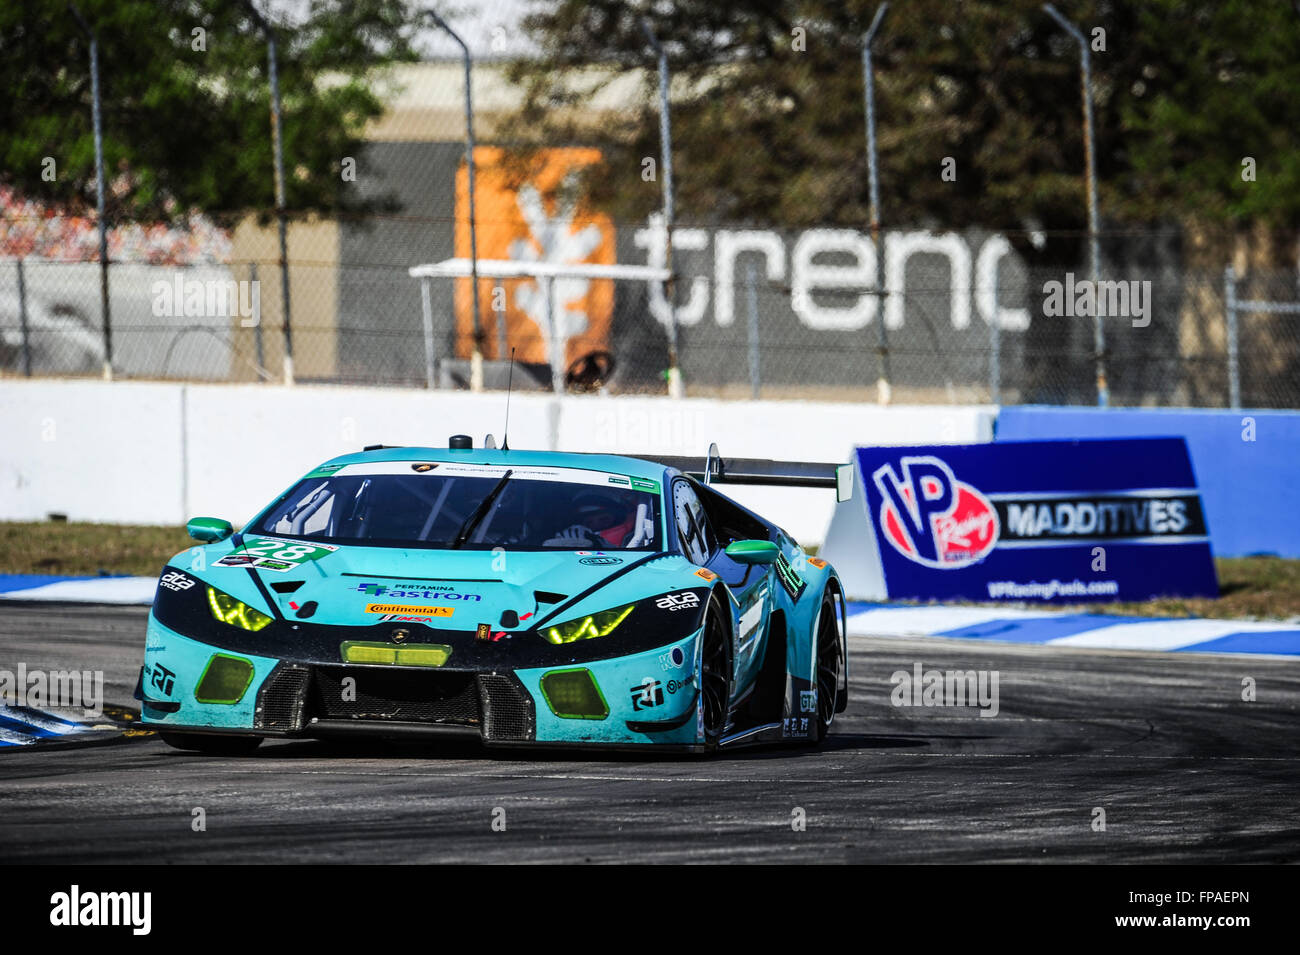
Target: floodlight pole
(1090,159)
(873,176)
(277,147)
(98,124)
(676,388)
(476,358)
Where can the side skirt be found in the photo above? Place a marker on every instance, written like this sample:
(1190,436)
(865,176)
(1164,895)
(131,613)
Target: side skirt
(767,733)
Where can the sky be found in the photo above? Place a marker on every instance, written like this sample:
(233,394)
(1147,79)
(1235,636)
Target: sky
(490,28)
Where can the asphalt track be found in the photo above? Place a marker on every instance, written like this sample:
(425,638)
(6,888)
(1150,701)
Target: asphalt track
(1185,770)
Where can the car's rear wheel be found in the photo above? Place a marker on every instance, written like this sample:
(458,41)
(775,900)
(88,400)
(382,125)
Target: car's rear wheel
(715,674)
(830,664)
(212,745)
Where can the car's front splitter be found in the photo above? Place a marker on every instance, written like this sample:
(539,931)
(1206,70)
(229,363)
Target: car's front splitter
(646,698)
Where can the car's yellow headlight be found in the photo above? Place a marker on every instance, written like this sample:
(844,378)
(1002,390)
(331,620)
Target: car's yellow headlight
(584,628)
(234,612)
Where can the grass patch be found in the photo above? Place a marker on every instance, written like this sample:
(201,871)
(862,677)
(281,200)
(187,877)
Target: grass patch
(76,549)
(1266,588)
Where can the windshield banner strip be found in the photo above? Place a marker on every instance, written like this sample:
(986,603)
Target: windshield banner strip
(489,471)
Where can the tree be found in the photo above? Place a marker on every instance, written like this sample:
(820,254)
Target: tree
(772,130)
(186,103)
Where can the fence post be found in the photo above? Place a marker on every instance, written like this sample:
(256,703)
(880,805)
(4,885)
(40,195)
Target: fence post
(430,358)
(751,298)
(557,344)
(257,329)
(1230,306)
(676,388)
(97,123)
(869,91)
(22,320)
(501,323)
(995,345)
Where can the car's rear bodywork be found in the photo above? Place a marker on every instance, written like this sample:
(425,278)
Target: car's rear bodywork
(306,633)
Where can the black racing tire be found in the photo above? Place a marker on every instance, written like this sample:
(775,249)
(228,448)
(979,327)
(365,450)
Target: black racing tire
(212,745)
(715,674)
(830,665)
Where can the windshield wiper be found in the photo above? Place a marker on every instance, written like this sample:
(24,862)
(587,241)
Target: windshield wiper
(471,522)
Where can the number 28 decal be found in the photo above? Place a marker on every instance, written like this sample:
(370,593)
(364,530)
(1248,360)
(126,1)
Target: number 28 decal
(269,553)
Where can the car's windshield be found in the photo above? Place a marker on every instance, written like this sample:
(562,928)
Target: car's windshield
(428,504)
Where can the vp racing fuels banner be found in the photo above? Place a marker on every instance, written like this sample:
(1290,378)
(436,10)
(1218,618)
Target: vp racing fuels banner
(1025,521)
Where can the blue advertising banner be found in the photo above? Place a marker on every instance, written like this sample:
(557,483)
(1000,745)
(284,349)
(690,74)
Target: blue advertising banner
(1246,461)
(1030,521)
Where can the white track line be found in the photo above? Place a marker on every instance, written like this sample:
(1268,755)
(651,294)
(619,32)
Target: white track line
(925,621)
(1160,634)
(102,590)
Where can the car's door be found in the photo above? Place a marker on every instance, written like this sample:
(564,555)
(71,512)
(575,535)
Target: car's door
(750,586)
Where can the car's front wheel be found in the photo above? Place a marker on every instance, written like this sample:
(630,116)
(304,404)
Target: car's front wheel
(212,745)
(715,674)
(830,665)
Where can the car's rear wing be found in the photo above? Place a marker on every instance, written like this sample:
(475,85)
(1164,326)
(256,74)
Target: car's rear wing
(716,469)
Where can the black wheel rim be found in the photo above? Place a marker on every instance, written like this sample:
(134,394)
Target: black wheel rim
(828,663)
(715,676)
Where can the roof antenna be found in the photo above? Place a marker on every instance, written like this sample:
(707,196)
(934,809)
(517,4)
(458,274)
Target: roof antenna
(510,380)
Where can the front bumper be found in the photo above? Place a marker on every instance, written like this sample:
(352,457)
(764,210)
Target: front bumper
(649,697)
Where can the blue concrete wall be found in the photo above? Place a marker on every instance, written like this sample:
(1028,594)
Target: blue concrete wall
(1250,489)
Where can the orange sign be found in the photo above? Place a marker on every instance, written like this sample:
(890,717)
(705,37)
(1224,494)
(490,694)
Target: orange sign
(536,220)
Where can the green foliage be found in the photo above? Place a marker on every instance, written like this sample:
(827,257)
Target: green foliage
(762,131)
(187,123)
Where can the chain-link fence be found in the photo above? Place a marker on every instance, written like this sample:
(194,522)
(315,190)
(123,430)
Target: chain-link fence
(758,315)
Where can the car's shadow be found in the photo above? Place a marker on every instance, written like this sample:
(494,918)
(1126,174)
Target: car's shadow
(442,750)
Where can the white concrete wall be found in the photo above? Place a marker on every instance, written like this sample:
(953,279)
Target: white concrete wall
(156,453)
(91,451)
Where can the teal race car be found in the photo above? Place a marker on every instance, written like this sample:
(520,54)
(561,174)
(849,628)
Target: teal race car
(521,598)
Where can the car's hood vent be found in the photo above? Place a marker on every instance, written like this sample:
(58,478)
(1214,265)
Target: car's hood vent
(286,586)
(549,597)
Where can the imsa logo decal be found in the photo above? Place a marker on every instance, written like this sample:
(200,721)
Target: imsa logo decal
(932,518)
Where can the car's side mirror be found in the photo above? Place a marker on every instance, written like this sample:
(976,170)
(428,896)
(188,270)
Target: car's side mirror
(209,529)
(753,552)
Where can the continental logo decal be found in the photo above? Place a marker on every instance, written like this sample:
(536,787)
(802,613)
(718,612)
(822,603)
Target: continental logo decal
(411,611)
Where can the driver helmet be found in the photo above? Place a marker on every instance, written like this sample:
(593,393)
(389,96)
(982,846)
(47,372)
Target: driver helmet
(605,514)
